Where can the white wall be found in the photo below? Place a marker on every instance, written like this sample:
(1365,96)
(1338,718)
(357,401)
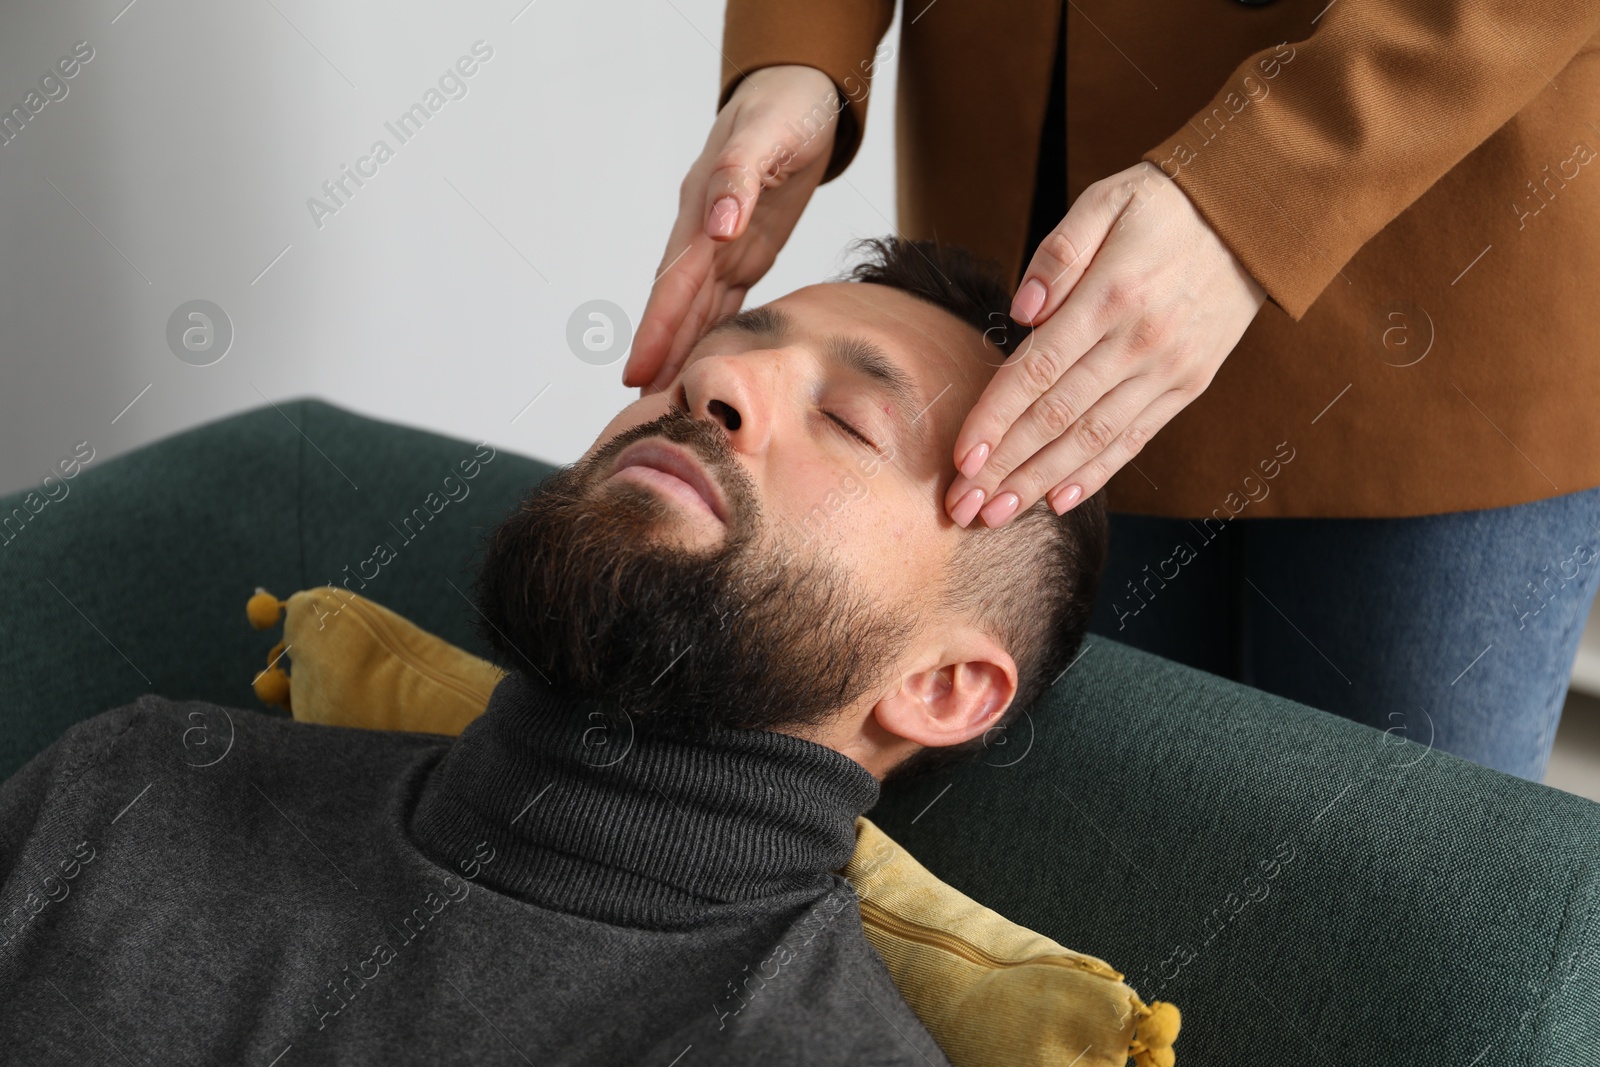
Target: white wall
(193,138)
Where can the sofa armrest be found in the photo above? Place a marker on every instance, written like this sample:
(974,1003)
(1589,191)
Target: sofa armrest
(134,580)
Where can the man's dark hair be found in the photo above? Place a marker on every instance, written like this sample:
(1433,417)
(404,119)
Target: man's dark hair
(1031,583)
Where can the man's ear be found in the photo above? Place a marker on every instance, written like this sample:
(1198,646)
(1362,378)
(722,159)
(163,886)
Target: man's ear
(965,690)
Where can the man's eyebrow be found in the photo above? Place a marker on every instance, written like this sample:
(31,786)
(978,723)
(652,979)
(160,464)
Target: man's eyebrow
(859,354)
(771,323)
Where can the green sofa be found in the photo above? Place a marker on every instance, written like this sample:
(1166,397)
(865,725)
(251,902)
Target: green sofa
(1306,889)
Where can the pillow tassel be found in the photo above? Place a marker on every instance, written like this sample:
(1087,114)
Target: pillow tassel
(272,684)
(1154,1034)
(263,609)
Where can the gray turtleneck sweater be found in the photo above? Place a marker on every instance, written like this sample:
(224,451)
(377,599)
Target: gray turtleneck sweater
(184,883)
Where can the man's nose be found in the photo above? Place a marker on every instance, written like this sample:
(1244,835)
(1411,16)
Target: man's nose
(737,392)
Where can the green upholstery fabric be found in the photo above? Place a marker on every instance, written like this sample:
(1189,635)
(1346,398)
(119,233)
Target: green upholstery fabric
(153,554)
(1432,911)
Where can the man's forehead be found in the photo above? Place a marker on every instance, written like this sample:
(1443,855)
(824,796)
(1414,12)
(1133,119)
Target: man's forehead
(883,309)
(939,349)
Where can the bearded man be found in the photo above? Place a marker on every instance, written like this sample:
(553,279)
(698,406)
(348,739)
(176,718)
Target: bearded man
(729,622)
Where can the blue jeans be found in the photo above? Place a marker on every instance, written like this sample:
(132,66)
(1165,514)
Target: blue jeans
(1457,630)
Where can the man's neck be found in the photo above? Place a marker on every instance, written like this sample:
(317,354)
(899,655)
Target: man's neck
(607,818)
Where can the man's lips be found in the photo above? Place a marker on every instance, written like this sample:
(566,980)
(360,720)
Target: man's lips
(674,470)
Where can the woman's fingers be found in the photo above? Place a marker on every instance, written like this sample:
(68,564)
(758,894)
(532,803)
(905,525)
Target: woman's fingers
(727,232)
(699,315)
(1024,391)
(1090,477)
(1055,412)
(729,201)
(715,203)
(1124,343)
(1052,277)
(737,178)
(1064,255)
(1090,431)
(1111,432)
(678,281)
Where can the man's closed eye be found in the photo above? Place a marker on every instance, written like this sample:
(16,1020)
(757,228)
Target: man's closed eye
(852,431)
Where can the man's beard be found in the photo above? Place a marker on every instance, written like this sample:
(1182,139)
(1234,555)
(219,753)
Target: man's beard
(585,585)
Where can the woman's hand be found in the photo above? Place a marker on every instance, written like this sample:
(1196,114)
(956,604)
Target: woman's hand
(1135,303)
(764,158)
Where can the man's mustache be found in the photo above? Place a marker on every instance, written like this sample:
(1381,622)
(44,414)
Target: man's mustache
(710,445)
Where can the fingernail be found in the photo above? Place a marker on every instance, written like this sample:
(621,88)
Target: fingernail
(1000,508)
(1064,498)
(967,507)
(724,217)
(1028,302)
(973,463)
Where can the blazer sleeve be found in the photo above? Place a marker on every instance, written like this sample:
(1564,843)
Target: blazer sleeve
(1314,146)
(838,37)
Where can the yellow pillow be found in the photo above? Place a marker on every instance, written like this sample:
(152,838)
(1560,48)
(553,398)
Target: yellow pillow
(356,663)
(989,991)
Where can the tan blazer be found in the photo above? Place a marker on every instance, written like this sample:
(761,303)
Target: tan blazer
(1415,184)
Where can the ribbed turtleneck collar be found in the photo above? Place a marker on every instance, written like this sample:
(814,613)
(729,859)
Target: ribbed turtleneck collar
(600,817)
